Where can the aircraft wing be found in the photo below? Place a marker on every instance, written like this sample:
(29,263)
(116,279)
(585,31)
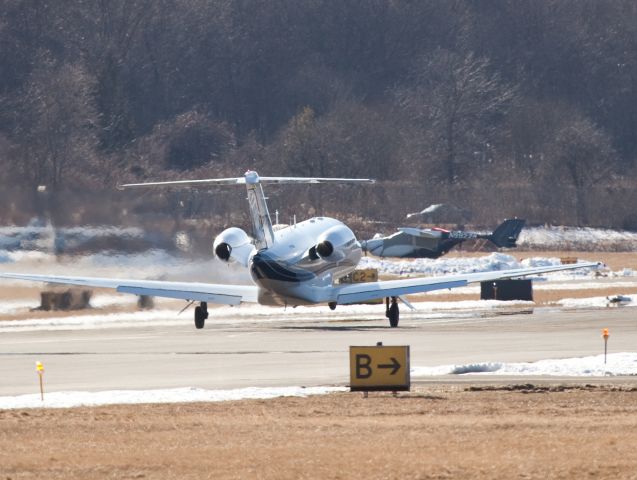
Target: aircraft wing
(360,292)
(201,292)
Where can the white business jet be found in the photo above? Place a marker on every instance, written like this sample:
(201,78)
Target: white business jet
(296,265)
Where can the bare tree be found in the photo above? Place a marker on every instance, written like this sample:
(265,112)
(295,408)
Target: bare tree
(460,102)
(585,157)
(185,143)
(347,141)
(108,35)
(298,146)
(563,155)
(56,125)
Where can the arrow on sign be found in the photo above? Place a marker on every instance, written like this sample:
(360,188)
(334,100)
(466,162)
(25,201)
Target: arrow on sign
(395,366)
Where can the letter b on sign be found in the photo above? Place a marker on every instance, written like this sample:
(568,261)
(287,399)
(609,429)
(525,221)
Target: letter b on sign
(363,369)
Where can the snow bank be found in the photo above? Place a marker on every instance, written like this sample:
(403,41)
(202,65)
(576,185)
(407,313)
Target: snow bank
(599,302)
(573,238)
(459,265)
(172,395)
(617,364)
(31,256)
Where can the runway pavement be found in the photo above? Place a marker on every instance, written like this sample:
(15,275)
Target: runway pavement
(286,353)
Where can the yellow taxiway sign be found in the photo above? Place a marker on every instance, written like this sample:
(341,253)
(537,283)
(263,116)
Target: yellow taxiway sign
(379,368)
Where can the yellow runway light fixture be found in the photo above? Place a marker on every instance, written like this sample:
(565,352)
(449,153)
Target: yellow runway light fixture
(40,369)
(605,334)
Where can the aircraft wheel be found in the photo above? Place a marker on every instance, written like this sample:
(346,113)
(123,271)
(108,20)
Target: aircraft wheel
(332,305)
(200,317)
(393,313)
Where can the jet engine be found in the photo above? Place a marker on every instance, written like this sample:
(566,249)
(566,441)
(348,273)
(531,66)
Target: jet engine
(233,245)
(335,244)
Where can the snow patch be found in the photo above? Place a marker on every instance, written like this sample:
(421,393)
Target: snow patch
(617,364)
(574,238)
(460,265)
(172,395)
(599,302)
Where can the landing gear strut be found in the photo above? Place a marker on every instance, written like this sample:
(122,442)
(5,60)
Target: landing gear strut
(391,311)
(201,313)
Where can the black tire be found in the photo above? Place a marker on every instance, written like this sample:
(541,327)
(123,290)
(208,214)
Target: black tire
(200,317)
(393,315)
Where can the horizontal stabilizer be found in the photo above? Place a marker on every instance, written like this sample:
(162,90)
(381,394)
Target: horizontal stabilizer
(249,178)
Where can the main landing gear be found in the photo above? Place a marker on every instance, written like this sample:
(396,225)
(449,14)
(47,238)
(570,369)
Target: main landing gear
(391,311)
(201,313)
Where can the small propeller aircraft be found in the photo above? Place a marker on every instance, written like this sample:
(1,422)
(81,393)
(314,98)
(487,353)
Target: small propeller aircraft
(410,242)
(295,265)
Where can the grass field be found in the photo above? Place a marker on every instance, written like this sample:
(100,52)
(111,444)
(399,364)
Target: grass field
(441,431)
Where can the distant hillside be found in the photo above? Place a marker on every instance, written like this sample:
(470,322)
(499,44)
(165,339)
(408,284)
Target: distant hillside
(506,107)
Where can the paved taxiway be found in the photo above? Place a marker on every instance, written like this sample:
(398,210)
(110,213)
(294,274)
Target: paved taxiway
(285,353)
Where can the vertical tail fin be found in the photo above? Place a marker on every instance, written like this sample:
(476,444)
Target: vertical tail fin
(261,222)
(507,233)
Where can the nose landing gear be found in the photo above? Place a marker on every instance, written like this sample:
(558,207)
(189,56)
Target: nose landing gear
(391,311)
(201,313)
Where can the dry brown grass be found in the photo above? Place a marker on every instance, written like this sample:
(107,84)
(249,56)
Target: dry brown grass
(442,431)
